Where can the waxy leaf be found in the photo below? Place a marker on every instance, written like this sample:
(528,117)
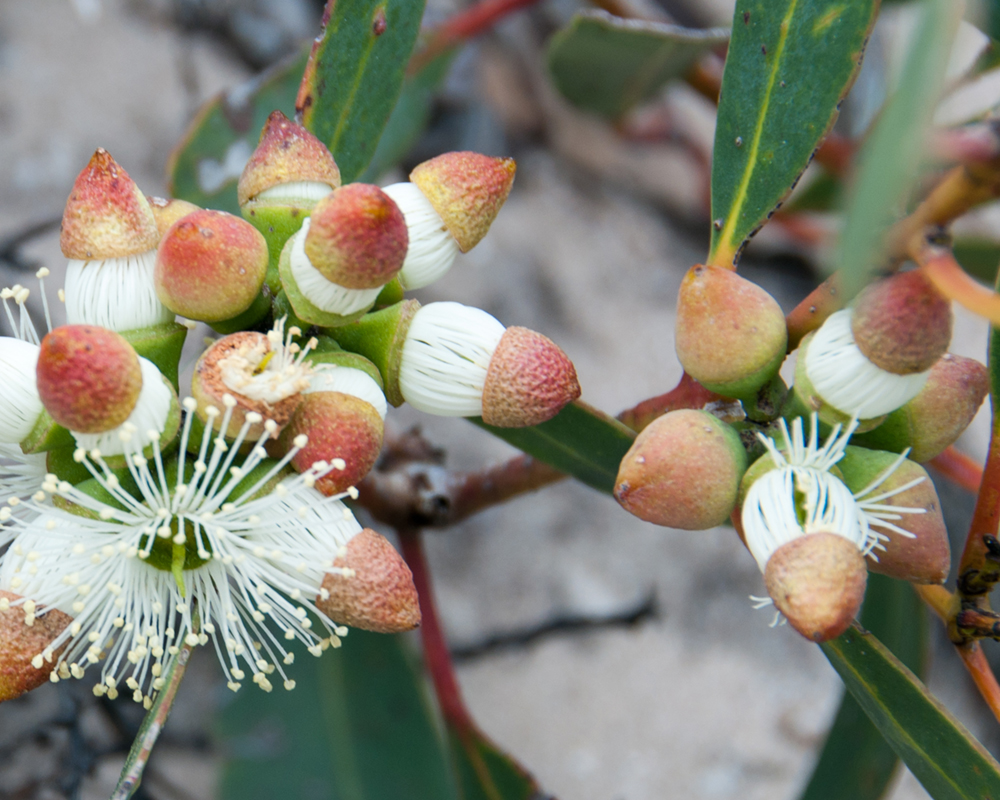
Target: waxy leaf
(205,166)
(607,64)
(580,441)
(358,726)
(484,772)
(354,75)
(942,755)
(790,63)
(856,761)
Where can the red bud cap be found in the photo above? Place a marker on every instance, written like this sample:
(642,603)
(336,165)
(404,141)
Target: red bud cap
(818,582)
(529,380)
(357,238)
(902,323)
(106,215)
(21,643)
(731,334)
(210,266)
(467,190)
(167,211)
(682,471)
(286,153)
(338,426)
(88,378)
(379,596)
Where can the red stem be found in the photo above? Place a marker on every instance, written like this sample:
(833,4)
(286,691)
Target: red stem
(959,468)
(436,656)
(688,393)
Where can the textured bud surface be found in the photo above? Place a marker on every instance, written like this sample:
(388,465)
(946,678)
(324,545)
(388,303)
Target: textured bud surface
(166,211)
(380,596)
(467,190)
(20,643)
(88,378)
(529,380)
(682,471)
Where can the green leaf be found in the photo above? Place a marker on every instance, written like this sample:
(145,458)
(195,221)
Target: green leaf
(358,726)
(886,166)
(580,441)
(485,772)
(942,755)
(354,75)
(790,63)
(856,760)
(205,166)
(606,64)
(409,118)
(979,257)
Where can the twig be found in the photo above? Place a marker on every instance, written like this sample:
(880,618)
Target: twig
(959,468)
(938,598)
(939,264)
(687,394)
(974,658)
(813,311)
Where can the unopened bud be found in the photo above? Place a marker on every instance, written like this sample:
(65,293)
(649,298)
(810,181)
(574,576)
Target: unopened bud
(20,643)
(818,582)
(682,471)
(731,334)
(379,595)
(166,211)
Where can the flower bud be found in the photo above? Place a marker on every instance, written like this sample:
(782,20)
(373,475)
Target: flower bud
(210,266)
(818,582)
(166,211)
(379,595)
(902,323)
(682,471)
(431,249)
(88,378)
(20,405)
(938,415)
(467,190)
(22,643)
(731,335)
(916,547)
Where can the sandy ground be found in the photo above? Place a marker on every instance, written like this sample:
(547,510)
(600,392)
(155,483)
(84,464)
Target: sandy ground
(701,700)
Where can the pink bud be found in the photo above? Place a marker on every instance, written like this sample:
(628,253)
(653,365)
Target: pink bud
(20,643)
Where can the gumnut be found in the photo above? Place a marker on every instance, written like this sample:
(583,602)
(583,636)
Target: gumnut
(210,266)
(467,190)
(731,335)
(167,211)
(23,637)
(918,550)
(89,378)
(286,154)
(342,430)
(902,323)
(529,380)
(682,471)
(938,415)
(357,238)
(377,593)
(106,215)
(818,582)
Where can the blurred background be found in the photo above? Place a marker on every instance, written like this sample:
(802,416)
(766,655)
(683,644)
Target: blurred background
(615,660)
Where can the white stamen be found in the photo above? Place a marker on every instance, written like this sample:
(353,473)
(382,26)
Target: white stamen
(323,294)
(432,249)
(355,382)
(117,293)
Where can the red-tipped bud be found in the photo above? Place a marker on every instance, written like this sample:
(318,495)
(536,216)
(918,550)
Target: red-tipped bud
(467,190)
(682,471)
(286,153)
(357,238)
(166,211)
(106,215)
(22,643)
(210,266)
(379,595)
(338,426)
(88,378)
(731,335)
(917,549)
(902,323)
(529,380)
(818,582)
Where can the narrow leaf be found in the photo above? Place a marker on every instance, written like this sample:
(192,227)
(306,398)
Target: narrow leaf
(580,441)
(790,63)
(206,164)
(484,772)
(941,754)
(886,171)
(856,760)
(354,75)
(358,726)
(607,64)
